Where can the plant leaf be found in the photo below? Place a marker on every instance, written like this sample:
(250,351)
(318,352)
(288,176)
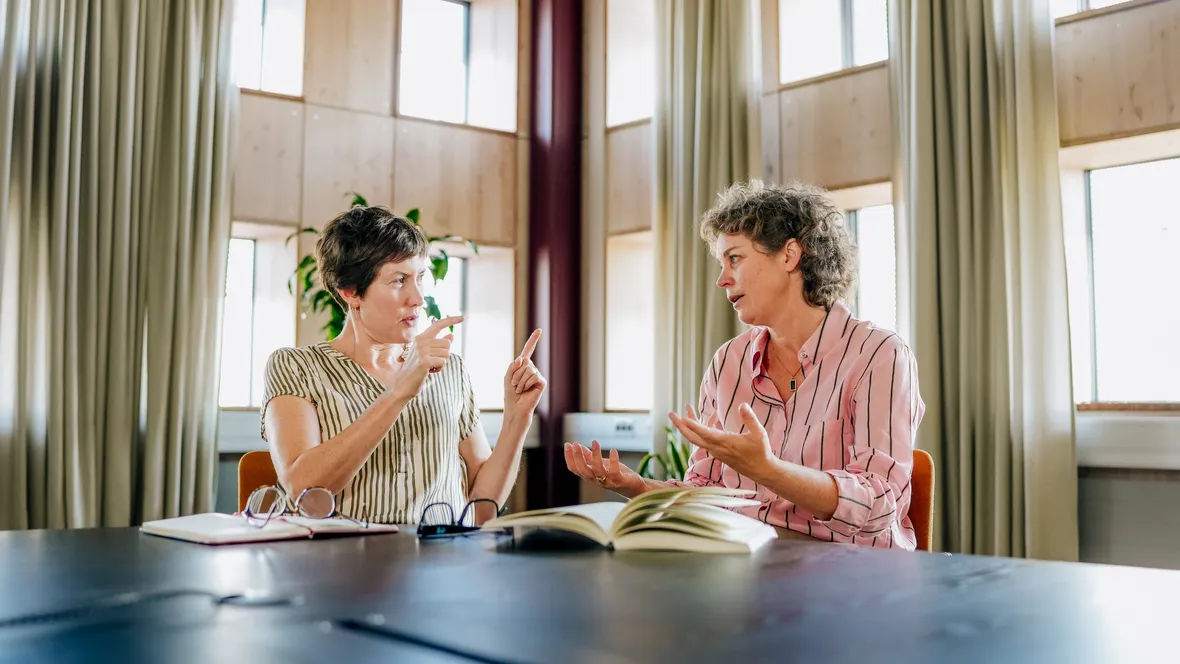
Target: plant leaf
(412,215)
(431,308)
(322,300)
(474,246)
(299,232)
(442,238)
(357,200)
(644,468)
(439,266)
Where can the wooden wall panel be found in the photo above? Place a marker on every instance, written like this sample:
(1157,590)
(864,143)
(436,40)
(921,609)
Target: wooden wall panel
(1118,73)
(836,132)
(350,54)
(462,179)
(269,175)
(629,179)
(345,151)
(772,160)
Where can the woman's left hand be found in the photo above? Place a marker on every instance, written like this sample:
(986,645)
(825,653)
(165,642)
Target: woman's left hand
(747,453)
(524,384)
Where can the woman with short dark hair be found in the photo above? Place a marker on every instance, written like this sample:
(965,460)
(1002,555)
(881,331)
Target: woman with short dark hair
(811,408)
(381,415)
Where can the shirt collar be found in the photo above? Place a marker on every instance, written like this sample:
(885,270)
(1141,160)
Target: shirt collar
(821,342)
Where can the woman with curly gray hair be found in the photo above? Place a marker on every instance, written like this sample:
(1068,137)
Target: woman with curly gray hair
(811,408)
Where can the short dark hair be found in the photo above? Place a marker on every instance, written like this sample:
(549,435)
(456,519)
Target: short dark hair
(355,245)
(770,215)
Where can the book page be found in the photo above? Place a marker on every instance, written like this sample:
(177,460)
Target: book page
(593,520)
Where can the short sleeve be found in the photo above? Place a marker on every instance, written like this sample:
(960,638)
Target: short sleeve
(285,376)
(469,411)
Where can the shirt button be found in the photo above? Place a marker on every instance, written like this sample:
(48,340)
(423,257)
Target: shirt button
(803,355)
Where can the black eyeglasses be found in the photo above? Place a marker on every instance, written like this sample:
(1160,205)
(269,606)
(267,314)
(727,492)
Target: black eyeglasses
(453,526)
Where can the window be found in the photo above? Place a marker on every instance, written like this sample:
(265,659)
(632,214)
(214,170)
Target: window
(435,44)
(1133,275)
(630,321)
(876,293)
(630,60)
(259,313)
(268,45)
(818,37)
(480,287)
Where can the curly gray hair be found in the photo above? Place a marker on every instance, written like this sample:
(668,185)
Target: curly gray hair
(770,215)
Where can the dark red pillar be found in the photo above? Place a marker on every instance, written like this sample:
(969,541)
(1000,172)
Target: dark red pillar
(555,234)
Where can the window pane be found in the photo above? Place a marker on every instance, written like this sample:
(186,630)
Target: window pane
(1136,238)
(282,47)
(870,31)
(237,324)
(630,60)
(247,44)
(1096,4)
(1065,7)
(877,287)
(490,344)
(810,38)
(448,295)
(433,80)
(630,322)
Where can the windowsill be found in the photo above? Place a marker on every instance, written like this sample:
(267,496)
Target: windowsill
(272,95)
(1129,407)
(849,71)
(638,122)
(1102,11)
(461,125)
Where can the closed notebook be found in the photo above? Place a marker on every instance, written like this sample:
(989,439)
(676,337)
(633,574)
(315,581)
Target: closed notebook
(691,519)
(218,528)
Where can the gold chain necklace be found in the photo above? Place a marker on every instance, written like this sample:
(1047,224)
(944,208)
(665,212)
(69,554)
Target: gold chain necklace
(793,384)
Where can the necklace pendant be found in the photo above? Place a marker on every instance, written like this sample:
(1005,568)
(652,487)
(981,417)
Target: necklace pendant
(792,384)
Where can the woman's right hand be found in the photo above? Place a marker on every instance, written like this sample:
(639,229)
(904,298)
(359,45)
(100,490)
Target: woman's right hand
(609,473)
(428,353)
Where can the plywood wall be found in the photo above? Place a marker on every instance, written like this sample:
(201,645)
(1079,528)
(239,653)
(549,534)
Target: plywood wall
(1118,75)
(299,158)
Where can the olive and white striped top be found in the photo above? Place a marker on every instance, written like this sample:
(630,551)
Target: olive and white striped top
(417,463)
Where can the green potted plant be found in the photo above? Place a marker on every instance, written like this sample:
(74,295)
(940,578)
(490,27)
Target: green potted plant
(318,300)
(673,461)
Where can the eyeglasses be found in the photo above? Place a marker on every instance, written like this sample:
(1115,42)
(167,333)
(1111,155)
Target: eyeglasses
(452,527)
(267,502)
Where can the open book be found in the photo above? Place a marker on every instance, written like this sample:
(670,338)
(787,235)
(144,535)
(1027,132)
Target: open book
(218,528)
(691,519)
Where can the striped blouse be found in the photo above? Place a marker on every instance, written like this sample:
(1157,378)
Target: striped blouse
(417,463)
(854,416)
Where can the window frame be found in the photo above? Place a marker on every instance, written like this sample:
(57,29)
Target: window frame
(847,49)
(261,89)
(466,5)
(1093,403)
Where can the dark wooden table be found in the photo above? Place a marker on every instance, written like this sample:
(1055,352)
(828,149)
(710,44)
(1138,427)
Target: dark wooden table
(392,598)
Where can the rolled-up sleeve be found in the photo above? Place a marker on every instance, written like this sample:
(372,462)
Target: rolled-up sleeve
(874,485)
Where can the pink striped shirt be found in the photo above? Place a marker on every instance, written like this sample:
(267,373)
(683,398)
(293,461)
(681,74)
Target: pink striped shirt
(854,415)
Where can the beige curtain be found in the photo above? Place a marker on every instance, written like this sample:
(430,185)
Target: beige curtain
(978,203)
(116,125)
(701,126)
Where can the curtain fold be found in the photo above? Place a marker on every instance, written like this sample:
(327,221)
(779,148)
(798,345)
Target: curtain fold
(117,123)
(977,194)
(701,127)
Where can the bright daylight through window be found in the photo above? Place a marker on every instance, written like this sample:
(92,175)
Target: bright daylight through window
(1134,275)
(819,37)
(268,45)
(435,44)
